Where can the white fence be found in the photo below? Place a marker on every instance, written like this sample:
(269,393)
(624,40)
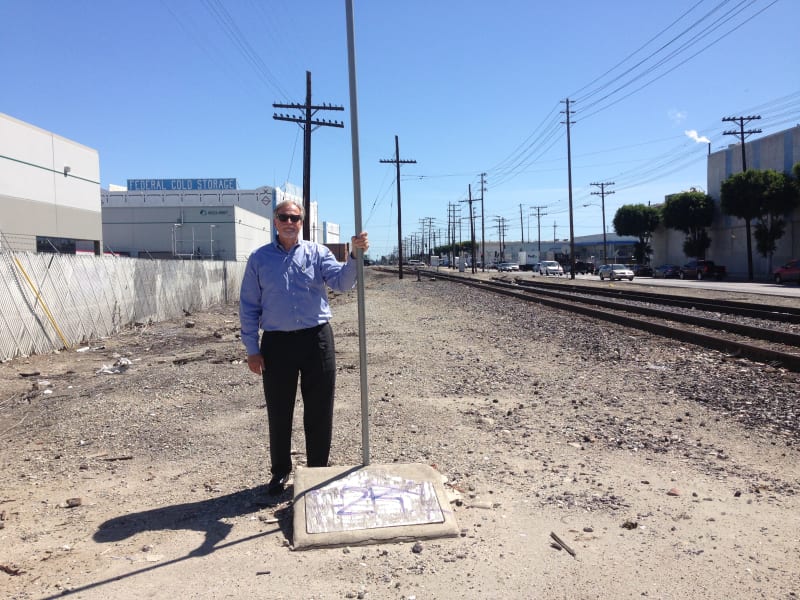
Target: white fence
(53,301)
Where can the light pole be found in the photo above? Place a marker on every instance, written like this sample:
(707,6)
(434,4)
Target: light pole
(603,209)
(175,238)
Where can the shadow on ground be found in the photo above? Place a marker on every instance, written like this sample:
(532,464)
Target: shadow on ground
(205,516)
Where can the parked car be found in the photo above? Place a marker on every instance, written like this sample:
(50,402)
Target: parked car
(584,268)
(788,272)
(508,266)
(550,267)
(666,271)
(615,272)
(641,270)
(702,269)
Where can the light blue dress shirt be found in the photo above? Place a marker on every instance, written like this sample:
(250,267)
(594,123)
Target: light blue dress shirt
(287,290)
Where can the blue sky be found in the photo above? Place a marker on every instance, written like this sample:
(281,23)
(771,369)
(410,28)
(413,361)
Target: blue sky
(180,89)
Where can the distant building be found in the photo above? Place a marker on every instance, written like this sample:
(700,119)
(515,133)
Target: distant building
(777,151)
(330,233)
(49,191)
(188,221)
(194,218)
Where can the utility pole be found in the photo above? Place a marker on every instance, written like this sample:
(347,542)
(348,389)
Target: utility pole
(451,232)
(483,224)
(501,230)
(397,162)
(426,238)
(741,134)
(539,215)
(568,121)
(471,225)
(554,232)
(602,193)
(308,123)
(521,226)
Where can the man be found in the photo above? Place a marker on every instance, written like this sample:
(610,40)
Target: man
(284,294)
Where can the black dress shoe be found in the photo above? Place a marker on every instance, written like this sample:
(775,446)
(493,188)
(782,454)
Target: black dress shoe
(277,484)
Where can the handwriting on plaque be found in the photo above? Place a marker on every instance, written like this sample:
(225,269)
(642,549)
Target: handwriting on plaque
(368,500)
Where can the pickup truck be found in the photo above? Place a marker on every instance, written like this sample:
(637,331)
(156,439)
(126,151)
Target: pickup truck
(702,269)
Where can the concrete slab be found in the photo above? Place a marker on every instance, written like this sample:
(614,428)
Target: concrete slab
(350,506)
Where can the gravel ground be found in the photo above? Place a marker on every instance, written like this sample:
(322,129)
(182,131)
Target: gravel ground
(671,471)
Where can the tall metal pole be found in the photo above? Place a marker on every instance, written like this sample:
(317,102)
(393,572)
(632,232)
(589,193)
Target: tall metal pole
(307,162)
(362,330)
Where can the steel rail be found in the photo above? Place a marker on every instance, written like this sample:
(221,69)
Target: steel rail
(757,333)
(731,347)
(784,314)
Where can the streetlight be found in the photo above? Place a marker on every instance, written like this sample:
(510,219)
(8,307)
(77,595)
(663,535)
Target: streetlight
(603,208)
(175,238)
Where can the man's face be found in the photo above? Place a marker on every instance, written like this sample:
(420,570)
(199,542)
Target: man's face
(286,228)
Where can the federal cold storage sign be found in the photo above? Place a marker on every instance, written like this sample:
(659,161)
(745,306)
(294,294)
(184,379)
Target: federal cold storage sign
(180,185)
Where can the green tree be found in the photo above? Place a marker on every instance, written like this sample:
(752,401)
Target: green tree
(765,196)
(638,220)
(692,213)
(780,198)
(741,196)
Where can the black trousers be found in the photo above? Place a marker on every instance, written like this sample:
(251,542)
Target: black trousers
(310,355)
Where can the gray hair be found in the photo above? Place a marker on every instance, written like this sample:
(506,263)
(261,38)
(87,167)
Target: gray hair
(284,203)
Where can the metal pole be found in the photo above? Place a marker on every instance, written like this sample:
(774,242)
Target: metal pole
(362,330)
(307,161)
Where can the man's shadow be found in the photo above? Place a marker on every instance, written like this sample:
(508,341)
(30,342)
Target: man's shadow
(205,516)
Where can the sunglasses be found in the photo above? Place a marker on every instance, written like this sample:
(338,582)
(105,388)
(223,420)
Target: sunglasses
(293,218)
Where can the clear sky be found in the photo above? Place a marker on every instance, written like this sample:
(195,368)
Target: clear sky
(184,89)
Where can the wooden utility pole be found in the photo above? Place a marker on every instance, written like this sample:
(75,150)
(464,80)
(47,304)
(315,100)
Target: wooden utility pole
(483,224)
(569,121)
(471,226)
(539,215)
(308,123)
(397,162)
(741,134)
(602,193)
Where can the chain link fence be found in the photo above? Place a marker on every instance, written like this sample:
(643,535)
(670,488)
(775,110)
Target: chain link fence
(54,301)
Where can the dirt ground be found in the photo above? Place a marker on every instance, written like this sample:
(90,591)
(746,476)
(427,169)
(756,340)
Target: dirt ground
(135,466)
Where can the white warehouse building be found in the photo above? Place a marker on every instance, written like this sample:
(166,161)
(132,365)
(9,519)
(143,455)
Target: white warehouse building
(49,191)
(193,218)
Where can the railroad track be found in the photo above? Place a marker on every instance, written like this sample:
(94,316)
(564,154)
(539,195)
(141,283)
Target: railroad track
(766,337)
